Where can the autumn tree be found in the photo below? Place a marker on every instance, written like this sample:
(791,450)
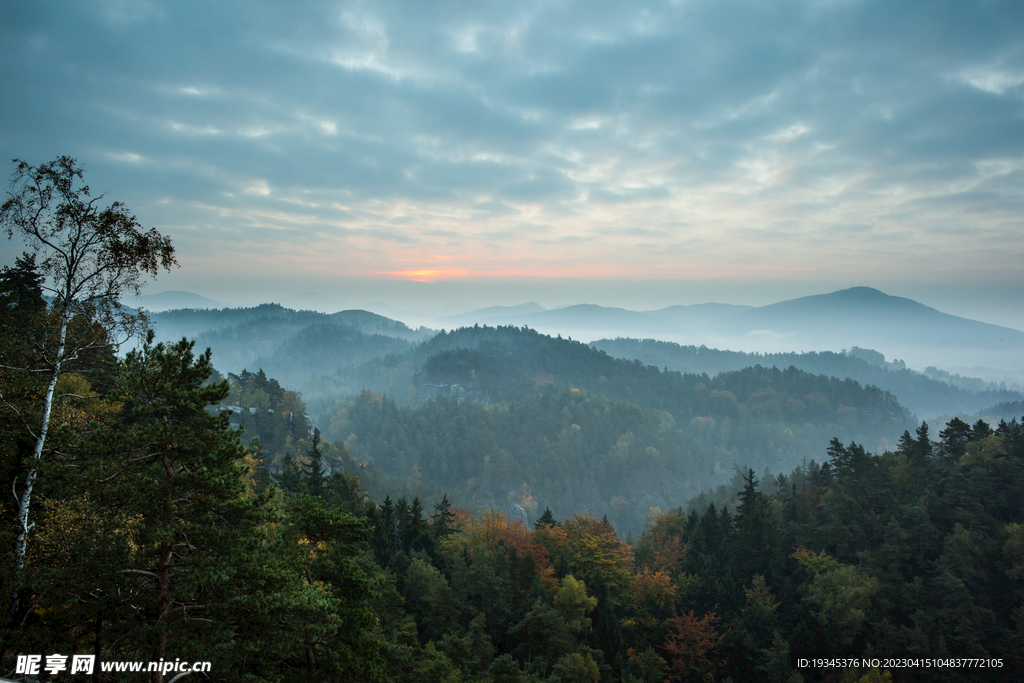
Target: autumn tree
(693,647)
(593,553)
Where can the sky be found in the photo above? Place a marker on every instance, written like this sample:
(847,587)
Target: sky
(633,154)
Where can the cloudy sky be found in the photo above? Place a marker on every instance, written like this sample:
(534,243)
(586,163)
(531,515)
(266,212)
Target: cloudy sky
(637,154)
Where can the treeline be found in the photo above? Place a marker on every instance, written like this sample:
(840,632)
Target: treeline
(1006,410)
(930,393)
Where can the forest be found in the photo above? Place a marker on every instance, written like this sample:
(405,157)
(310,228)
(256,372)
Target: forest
(533,511)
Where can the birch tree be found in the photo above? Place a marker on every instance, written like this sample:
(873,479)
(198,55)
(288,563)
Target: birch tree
(89,256)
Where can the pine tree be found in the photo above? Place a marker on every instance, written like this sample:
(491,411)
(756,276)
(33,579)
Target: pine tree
(444,519)
(290,477)
(315,477)
(547,519)
(170,470)
(22,305)
(955,438)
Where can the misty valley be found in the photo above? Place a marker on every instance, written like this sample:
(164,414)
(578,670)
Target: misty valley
(506,417)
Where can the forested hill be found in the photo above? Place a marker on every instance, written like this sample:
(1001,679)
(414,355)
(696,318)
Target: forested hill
(322,348)
(557,423)
(920,394)
(240,336)
(516,364)
(506,363)
(195,320)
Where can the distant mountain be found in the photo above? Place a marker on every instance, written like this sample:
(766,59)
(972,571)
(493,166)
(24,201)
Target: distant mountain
(582,321)
(860,316)
(696,315)
(166,301)
(897,327)
(869,314)
(492,315)
(190,322)
(312,301)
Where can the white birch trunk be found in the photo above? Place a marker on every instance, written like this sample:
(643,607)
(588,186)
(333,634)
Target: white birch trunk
(25,500)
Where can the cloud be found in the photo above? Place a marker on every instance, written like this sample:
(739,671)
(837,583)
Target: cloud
(996,82)
(752,135)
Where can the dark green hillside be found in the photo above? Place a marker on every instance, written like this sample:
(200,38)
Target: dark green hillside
(192,321)
(922,395)
(1006,410)
(320,349)
(236,348)
(508,363)
(512,368)
(582,430)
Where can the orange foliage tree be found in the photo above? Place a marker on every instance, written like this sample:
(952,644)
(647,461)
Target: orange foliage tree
(693,647)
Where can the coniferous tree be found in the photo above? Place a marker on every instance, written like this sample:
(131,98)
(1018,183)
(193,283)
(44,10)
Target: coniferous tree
(547,519)
(174,477)
(290,477)
(22,305)
(444,519)
(315,477)
(954,438)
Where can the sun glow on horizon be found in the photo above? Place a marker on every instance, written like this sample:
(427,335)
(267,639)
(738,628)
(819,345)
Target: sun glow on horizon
(598,271)
(427,274)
